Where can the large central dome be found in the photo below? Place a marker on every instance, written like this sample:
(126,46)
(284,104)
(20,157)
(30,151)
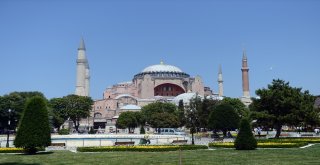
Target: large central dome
(161,68)
(162,71)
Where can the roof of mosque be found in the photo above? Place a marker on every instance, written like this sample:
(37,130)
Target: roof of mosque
(162,68)
(186,97)
(130,107)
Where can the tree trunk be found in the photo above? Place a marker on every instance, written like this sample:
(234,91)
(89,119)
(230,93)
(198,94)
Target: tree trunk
(76,125)
(278,129)
(192,138)
(224,132)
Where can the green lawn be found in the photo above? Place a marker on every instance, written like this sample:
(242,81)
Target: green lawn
(220,156)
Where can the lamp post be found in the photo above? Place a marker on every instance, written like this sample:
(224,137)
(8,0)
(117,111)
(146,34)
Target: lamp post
(8,130)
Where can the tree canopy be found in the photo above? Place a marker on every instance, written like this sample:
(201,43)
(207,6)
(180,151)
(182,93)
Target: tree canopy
(237,105)
(16,102)
(71,107)
(280,104)
(128,120)
(224,118)
(161,115)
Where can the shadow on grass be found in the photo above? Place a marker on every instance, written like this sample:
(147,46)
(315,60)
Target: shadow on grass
(17,163)
(38,153)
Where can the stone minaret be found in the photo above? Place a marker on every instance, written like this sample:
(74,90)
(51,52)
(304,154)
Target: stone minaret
(245,80)
(220,82)
(87,81)
(82,86)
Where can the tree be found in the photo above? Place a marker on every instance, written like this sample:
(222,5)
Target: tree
(161,115)
(192,116)
(127,120)
(34,130)
(204,112)
(58,113)
(181,114)
(75,108)
(16,102)
(282,104)
(224,118)
(245,139)
(237,105)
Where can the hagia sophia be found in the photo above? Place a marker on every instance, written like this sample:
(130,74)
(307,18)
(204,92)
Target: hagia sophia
(159,82)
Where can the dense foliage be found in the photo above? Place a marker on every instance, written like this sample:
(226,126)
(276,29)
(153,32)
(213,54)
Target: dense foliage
(223,118)
(71,107)
(161,115)
(16,102)
(280,104)
(34,129)
(245,139)
(128,120)
(238,106)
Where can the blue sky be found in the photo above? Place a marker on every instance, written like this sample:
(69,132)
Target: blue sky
(39,41)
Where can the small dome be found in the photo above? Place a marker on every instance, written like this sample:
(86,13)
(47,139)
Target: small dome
(185,97)
(130,107)
(162,68)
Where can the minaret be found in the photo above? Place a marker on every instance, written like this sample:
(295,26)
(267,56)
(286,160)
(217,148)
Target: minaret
(87,81)
(245,80)
(82,67)
(220,82)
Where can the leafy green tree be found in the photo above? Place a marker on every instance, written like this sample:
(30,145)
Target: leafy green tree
(192,116)
(34,130)
(127,120)
(181,114)
(161,115)
(204,112)
(224,118)
(164,120)
(245,139)
(237,105)
(280,104)
(58,113)
(75,108)
(16,102)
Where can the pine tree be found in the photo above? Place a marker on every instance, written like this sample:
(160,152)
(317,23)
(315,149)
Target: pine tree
(34,130)
(245,139)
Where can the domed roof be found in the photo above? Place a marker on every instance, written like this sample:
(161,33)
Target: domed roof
(162,68)
(130,107)
(186,97)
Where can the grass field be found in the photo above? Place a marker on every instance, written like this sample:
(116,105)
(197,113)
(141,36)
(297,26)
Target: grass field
(308,155)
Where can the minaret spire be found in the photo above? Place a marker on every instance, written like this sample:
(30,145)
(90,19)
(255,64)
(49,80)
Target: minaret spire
(82,45)
(220,82)
(245,79)
(83,74)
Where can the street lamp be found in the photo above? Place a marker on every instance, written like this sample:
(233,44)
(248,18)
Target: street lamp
(8,130)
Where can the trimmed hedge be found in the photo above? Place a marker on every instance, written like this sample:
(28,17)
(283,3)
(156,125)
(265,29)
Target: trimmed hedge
(245,139)
(292,139)
(262,144)
(148,148)
(11,150)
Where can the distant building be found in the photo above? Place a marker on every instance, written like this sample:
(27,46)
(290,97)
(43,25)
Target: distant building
(160,82)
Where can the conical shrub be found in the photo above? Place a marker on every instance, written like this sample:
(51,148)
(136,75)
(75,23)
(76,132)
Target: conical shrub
(34,129)
(245,139)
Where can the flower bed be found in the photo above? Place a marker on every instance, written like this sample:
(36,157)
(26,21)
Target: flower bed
(293,139)
(147,148)
(262,144)
(11,150)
